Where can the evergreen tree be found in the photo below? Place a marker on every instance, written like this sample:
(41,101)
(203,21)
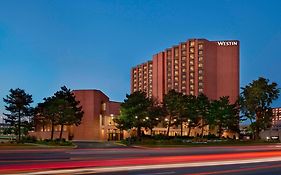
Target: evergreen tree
(18,105)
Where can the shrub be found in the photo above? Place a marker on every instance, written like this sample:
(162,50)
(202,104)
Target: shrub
(29,139)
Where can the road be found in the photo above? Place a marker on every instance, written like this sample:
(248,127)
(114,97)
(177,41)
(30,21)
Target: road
(191,160)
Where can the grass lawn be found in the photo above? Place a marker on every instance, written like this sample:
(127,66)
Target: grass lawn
(30,146)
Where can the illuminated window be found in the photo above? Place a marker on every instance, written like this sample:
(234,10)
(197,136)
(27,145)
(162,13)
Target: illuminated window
(176,67)
(191,43)
(191,87)
(191,56)
(200,90)
(191,50)
(176,52)
(183,82)
(183,46)
(200,46)
(191,81)
(200,65)
(176,61)
(200,52)
(191,62)
(191,74)
(183,70)
(176,79)
(200,77)
(183,64)
(191,68)
(200,71)
(200,58)
(192,92)
(176,73)
(183,58)
(200,84)
(104,106)
(183,53)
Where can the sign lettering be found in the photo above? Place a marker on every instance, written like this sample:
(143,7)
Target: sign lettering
(227,43)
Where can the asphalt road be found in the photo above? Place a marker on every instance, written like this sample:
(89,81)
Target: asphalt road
(194,160)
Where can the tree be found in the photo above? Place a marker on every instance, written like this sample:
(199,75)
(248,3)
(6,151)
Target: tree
(224,115)
(173,105)
(47,113)
(134,112)
(154,116)
(60,109)
(69,111)
(191,112)
(203,105)
(255,101)
(18,105)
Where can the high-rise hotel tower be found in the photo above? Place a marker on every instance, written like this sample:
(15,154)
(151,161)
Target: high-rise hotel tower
(192,67)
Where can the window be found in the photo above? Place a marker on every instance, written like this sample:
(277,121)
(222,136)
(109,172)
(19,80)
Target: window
(191,74)
(200,84)
(183,64)
(176,61)
(183,58)
(191,68)
(200,77)
(183,82)
(200,90)
(104,106)
(191,50)
(176,73)
(200,52)
(176,52)
(191,81)
(191,87)
(176,79)
(200,71)
(191,43)
(191,62)
(200,46)
(183,46)
(192,92)
(200,58)
(183,53)
(191,56)
(200,65)
(183,70)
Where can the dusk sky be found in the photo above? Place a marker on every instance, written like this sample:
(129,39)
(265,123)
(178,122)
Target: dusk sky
(93,44)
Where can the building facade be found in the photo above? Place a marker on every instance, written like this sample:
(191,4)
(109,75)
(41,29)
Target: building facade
(192,67)
(97,122)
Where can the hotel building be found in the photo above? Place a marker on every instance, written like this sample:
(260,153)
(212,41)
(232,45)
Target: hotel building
(191,67)
(97,122)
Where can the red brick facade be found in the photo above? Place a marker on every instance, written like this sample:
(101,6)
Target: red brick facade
(192,67)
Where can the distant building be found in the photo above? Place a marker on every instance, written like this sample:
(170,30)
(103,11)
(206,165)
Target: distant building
(192,67)
(97,122)
(275,131)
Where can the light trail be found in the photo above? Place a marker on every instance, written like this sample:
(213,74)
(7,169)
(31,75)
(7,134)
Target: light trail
(151,167)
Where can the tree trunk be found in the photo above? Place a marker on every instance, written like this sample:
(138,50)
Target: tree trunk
(61,130)
(19,121)
(169,124)
(52,130)
(181,127)
(202,131)
(139,132)
(189,129)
